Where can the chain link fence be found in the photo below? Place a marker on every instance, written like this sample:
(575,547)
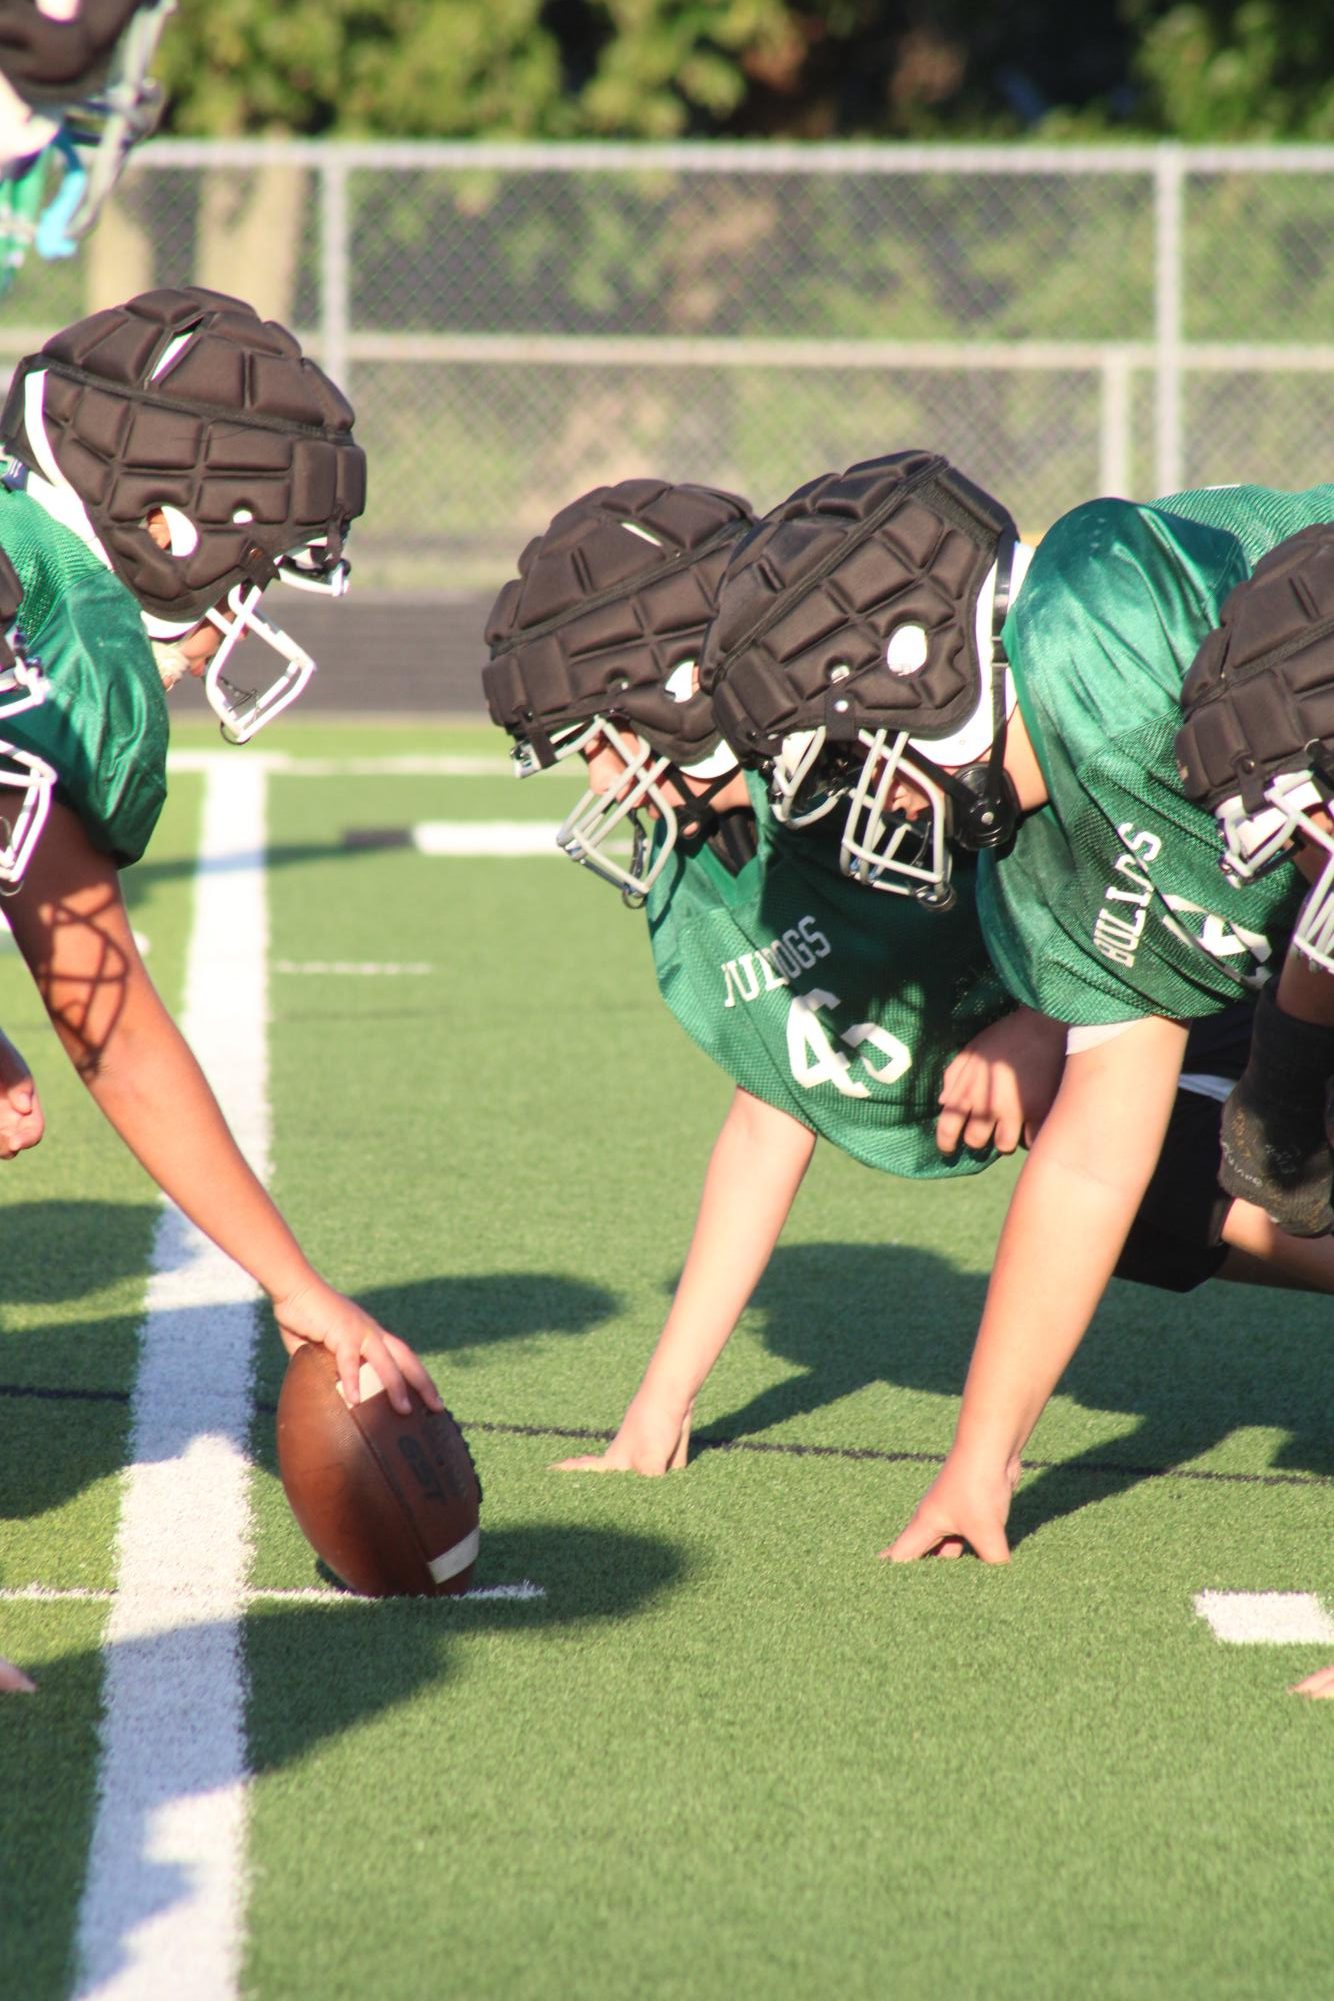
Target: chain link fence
(516,323)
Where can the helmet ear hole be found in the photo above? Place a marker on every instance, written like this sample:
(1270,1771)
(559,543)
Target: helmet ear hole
(182,535)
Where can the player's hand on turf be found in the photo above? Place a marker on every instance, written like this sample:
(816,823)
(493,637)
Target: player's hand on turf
(649,1441)
(965,1507)
(13,1681)
(317,1312)
(1276,1152)
(1320,1685)
(999,1089)
(21,1120)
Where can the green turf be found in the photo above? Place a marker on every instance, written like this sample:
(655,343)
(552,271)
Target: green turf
(727,1753)
(78,1216)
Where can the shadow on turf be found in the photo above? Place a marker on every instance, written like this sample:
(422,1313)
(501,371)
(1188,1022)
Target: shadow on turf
(59,1251)
(1191,1368)
(77,1376)
(284,855)
(319,1672)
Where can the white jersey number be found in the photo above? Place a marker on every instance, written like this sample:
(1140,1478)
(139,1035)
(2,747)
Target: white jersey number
(814,1059)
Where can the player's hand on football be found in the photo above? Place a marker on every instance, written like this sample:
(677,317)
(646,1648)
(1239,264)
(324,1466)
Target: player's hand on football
(649,1441)
(13,1681)
(999,1089)
(317,1312)
(21,1120)
(1319,1686)
(965,1507)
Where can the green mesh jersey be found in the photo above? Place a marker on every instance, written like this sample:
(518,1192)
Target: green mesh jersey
(830,1001)
(1111,903)
(103,725)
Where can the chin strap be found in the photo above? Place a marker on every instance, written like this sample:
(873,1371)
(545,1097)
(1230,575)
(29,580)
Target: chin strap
(987,806)
(697,822)
(696,818)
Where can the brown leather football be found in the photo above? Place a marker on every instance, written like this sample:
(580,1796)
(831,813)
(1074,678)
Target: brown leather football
(391,1503)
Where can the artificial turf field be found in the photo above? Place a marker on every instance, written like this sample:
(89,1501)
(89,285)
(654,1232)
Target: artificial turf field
(725,1752)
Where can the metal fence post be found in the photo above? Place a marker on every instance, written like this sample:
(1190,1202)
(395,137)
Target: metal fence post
(334,268)
(1169,177)
(1114,452)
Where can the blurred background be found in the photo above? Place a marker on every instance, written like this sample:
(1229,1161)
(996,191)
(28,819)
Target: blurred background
(544,246)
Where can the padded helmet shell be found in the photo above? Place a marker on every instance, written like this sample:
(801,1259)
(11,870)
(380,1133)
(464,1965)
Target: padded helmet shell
(42,56)
(235,423)
(813,599)
(613,598)
(1259,697)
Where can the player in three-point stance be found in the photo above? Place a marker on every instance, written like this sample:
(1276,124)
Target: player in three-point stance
(875,1022)
(169,460)
(1256,749)
(879,646)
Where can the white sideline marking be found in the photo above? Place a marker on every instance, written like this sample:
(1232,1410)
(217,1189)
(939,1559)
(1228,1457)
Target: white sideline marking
(369,967)
(1273,1618)
(304,1594)
(162,1906)
(495,838)
(485,837)
(280,764)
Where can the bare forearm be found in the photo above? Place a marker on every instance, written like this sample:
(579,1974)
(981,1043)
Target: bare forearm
(1062,1237)
(148,1084)
(754,1172)
(1068,1220)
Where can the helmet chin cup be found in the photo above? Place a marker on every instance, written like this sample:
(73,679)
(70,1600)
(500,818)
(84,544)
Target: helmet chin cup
(34,781)
(244,711)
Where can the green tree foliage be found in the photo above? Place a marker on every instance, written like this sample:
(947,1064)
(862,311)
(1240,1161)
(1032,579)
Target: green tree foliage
(1195,69)
(1261,70)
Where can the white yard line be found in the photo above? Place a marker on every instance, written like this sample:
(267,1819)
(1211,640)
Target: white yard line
(163,1903)
(305,1594)
(485,837)
(358,968)
(1266,1618)
(286,766)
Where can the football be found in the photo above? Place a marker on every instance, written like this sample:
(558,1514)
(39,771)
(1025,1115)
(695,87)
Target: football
(390,1503)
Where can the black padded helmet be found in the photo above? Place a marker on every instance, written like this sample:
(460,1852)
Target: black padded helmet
(185,399)
(1259,698)
(47,57)
(1256,748)
(858,633)
(825,584)
(608,604)
(601,633)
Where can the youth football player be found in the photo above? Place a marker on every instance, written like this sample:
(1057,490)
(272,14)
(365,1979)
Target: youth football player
(1255,748)
(875,1022)
(879,642)
(169,459)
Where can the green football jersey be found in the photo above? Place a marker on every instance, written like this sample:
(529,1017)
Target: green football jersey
(103,725)
(830,1001)
(1111,903)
